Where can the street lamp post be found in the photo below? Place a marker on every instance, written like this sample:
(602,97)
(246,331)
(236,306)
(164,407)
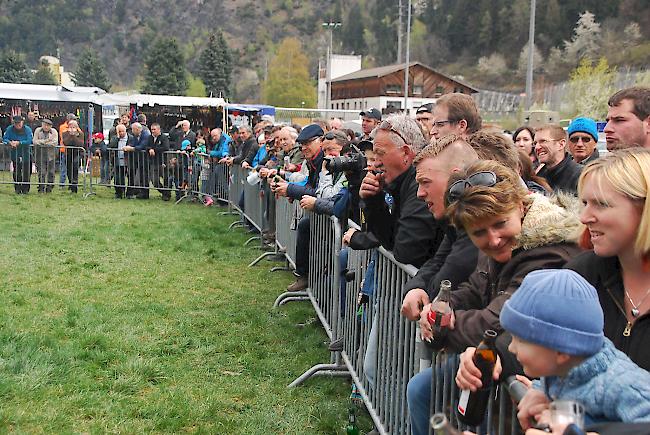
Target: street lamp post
(331,26)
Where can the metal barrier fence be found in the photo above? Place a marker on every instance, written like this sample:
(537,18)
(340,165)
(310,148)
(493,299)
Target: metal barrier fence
(41,166)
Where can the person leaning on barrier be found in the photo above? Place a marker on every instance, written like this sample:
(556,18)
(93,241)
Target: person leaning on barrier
(19,137)
(46,142)
(157,149)
(98,148)
(310,142)
(119,159)
(138,161)
(407,228)
(218,144)
(515,231)
(73,139)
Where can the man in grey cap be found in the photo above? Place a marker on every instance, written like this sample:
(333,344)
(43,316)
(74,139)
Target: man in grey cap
(370,118)
(46,141)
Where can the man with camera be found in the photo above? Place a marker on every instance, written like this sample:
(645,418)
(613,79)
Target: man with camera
(310,143)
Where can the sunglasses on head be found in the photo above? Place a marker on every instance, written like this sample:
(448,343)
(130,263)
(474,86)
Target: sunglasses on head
(329,136)
(483,178)
(387,125)
(585,139)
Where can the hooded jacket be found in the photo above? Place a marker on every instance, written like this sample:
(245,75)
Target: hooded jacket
(549,231)
(609,385)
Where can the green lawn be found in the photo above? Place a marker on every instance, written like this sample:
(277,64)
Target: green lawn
(141,316)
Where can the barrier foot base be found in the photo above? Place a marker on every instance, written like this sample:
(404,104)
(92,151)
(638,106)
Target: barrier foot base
(263,256)
(88,194)
(321,370)
(290,296)
(252,239)
(281,269)
(236,224)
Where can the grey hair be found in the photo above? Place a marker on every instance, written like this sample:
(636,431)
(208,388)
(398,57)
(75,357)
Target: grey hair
(136,125)
(73,121)
(408,128)
(292,131)
(247,128)
(186,122)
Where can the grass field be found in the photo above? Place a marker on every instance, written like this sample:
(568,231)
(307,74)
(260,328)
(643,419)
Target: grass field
(140,316)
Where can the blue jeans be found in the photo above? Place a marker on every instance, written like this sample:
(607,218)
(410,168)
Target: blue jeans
(418,397)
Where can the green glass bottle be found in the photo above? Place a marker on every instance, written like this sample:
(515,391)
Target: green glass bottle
(351,428)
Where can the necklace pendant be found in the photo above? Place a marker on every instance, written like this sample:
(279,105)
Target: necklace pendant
(635,312)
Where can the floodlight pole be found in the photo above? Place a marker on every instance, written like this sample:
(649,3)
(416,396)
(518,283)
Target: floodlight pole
(330,26)
(408,47)
(531,51)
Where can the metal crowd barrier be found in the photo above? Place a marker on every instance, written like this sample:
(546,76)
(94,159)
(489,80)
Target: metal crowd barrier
(38,168)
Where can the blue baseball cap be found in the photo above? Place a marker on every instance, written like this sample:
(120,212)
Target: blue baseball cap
(309,132)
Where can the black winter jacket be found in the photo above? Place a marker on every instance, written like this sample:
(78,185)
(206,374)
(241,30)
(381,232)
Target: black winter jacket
(409,230)
(604,273)
(563,176)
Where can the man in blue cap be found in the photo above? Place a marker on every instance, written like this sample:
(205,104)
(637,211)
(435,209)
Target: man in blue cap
(310,144)
(583,137)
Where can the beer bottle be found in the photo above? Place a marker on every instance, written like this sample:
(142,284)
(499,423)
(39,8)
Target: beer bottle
(441,425)
(440,315)
(472,405)
(351,428)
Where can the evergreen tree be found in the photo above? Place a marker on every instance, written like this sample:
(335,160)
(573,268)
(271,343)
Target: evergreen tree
(44,76)
(352,31)
(13,68)
(165,72)
(383,27)
(215,66)
(90,71)
(288,83)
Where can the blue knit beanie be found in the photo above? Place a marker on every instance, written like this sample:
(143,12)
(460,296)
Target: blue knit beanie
(584,125)
(557,309)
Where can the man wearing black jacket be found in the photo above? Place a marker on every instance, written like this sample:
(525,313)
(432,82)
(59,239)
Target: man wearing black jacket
(156,148)
(406,227)
(310,143)
(556,166)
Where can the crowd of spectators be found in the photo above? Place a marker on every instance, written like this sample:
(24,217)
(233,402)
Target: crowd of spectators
(544,237)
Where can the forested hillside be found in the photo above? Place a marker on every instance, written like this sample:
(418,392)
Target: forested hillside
(483,40)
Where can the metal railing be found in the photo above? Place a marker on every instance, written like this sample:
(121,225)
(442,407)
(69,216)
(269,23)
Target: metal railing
(40,166)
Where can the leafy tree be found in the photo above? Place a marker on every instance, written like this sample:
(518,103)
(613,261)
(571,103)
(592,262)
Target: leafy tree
(352,31)
(586,38)
(288,83)
(13,68)
(165,72)
(522,64)
(493,66)
(90,71)
(196,87)
(215,65)
(590,87)
(44,76)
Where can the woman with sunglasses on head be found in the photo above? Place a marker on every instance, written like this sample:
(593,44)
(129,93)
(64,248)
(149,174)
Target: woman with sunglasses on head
(614,190)
(515,231)
(523,137)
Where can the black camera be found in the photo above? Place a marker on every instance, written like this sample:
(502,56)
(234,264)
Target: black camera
(353,163)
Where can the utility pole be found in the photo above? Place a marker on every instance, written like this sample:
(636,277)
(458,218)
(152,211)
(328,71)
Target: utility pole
(408,47)
(331,26)
(531,51)
(399,32)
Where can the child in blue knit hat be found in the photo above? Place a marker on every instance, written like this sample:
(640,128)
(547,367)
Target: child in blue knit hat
(556,324)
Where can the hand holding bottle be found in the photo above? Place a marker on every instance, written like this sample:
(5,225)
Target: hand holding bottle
(469,376)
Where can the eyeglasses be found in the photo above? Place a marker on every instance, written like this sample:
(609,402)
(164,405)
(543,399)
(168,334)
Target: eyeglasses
(585,139)
(483,178)
(543,142)
(308,142)
(440,124)
(387,125)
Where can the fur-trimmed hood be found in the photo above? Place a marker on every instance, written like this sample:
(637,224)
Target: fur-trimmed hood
(550,220)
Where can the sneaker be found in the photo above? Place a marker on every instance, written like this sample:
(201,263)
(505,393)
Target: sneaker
(300,285)
(208,201)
